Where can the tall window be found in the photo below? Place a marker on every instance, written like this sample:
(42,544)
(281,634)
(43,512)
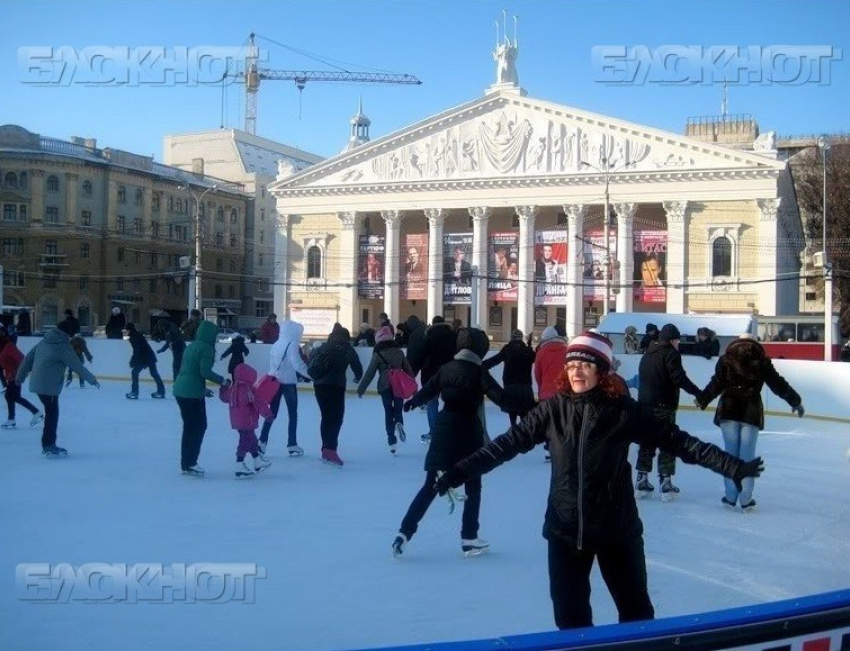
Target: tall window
(13,246)
(137,225)
(10,212)
(314,262)
(721,257)
(13,278)
(178,205)
(11,180)
(232,239)
(218,291)
(85,218)
(234,217)
(233,266)
(153,262)
(122,194)
(51,215)
(155,201)
(262,237)
(120,225)
(22,213)
(51,247)
(84,283)
(86,188)
(48,280)
(260,260)
(230,291)
(84,249)
(138,197)
(23,180)
(49,314)
(219,215)
(84,315)
(154,229)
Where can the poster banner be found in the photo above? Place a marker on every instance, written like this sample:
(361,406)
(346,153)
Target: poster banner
(317,322)
(650,266)
(370,267)
(593,262)
(413,269)
(503,266)
(550,267)
(457,269)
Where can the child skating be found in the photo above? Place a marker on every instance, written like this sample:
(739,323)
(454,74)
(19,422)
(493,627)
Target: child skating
(245,408)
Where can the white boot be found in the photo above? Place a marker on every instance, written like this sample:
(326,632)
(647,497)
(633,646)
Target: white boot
(37,417)
(474,547)
(244,467)
(295,450)
(260,462)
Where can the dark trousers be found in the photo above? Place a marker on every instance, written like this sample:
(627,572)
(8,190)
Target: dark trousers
(392,414)
(419,506)
(176,360)
(332,407)
(193,411)
(51,419)
(666,461)
(289,393)
(134,378)
(13,395)
(623,568)
(247,444)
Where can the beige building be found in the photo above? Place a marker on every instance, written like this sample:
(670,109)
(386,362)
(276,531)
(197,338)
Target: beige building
(90,229)
(506,195)
(252,162)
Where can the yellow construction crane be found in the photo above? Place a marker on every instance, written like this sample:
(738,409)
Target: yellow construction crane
(254,74)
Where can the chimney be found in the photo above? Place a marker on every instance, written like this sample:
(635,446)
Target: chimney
(198,166)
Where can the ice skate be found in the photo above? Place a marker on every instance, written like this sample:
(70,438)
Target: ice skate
(392,449)
(262,447)
(68,383)
(728,503)
(158,394)
(398,544)
(9,424)
(642,486)
(37,417)
(330,457)
(401,435)
(669,492)
(260,462)
(749,507)
(244,468)
(425,438)
(194,471)
(132,396)
(474,547)
(54,452)
(294,450)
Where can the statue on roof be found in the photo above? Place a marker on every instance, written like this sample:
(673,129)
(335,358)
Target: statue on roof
(505,54)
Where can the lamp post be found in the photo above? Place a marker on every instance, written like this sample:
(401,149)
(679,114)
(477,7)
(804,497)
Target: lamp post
(823,143)
(606,268)
(195,297)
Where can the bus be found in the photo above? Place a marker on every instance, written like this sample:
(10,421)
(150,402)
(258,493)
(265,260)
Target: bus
(797,336)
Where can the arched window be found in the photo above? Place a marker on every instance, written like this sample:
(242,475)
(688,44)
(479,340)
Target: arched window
(314,262)
(122,194)
(11,180)
(86,188)
(53,184)
(721,257)
(139,197)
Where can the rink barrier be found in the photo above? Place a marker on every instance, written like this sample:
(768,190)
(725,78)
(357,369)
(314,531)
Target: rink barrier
(815,623)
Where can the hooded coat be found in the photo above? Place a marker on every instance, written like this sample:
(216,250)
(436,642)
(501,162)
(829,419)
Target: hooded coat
(438,348)
(548,365)
(245,405)
(143,355)
(198,364)
(342,355)
(285,361)
(662,376)
(47,362)
(115,326)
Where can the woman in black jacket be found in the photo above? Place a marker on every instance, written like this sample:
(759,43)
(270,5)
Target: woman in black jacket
(142,357)
(738,379)
(591,511)
(518,359)
(462,383)
(238,351)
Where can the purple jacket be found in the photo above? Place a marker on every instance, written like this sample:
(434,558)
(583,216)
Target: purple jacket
(245,406)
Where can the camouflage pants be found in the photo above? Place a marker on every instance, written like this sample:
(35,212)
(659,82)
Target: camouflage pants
(666,461)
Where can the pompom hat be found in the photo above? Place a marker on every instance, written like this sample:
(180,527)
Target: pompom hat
(591,347)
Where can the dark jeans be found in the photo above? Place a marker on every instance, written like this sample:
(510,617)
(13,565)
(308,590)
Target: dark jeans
(392,414)
(289,393)
(13,395)
(419,506)
(331,401)
(623,568)
(193,411)
(134,377)
(51,419)
(666,461)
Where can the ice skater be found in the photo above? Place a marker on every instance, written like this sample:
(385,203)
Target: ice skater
(245,408)
(10,361)
(142,357)
(238,351)
(81,348)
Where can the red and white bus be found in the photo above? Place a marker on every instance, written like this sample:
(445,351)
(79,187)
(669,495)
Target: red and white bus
(797,336)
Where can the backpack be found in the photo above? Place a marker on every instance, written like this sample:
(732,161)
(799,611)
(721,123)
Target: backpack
(321,362)
(402,384)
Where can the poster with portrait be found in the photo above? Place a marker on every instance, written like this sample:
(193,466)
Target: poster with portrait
(650,266)
(593,262)
(503,266)
(457,268)
(413,270)
(370,266)
(550,267)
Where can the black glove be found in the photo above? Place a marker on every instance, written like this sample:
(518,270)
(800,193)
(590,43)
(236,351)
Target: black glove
(799,409)
(408,406)
(450,479)
(746,469)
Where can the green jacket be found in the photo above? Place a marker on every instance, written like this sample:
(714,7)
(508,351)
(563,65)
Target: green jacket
(198,363)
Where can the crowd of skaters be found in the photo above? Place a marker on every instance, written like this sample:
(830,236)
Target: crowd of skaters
(582,413)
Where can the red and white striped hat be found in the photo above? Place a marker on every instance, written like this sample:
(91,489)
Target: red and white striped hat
(591,347)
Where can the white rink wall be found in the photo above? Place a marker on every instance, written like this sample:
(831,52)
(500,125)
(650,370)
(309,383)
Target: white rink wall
(824,386)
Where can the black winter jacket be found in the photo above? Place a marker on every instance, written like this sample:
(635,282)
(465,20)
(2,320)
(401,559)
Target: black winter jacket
(591,501)
(237,351)
(662,375)
(738,379)
(518,360)
(342,355)
(438,348)
(143,355)
(708,348)
(416,346)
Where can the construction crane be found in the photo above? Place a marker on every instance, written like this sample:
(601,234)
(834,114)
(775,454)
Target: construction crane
(254,74)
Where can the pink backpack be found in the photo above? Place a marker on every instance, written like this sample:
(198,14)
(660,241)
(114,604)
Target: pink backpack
(404,386)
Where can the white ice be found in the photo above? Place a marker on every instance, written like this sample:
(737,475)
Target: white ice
(323,535)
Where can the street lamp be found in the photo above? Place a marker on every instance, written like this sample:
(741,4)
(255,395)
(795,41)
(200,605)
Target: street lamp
(606,268)
(824,145)
(195,297)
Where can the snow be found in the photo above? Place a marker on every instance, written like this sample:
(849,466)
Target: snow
(323,535)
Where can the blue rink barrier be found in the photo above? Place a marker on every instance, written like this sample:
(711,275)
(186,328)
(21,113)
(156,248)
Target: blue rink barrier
(816,623)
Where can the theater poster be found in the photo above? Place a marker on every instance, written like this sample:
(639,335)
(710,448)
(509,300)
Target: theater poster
(650,266)
(550,267)
(594,259)
(457,268)
(370,271)
(503,266)
(413,270)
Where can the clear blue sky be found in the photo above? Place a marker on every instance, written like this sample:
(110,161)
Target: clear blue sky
(446,43)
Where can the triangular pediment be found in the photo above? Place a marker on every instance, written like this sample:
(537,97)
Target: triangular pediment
(504,135)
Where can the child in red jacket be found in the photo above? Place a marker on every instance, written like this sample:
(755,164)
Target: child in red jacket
(10,360)
(246,407)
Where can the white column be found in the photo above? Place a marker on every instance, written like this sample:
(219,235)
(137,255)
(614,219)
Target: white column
(677,246)
(525,291)
(281,267)
(575,299)
(625,256)
(768,266)
(436,220)
(348,251)
(480,216)
(392,221)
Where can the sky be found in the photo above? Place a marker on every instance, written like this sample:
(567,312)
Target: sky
(445,43)
(321,536)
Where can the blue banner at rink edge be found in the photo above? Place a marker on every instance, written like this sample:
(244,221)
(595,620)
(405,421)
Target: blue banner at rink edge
(816,623)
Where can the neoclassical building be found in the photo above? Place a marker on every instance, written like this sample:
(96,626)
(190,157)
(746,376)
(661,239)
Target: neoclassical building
(493,212)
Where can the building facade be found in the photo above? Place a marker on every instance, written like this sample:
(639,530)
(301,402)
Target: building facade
(90,229)
(501,202)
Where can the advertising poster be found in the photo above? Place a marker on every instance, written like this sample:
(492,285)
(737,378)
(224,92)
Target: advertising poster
(413,269)
(594,259)
(370,267)
(457,268)
(650,266)
(550,267)
(503,266)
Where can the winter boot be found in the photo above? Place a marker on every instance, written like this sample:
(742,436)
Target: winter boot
(37,417)
(331,457)
(398,544)
(194,471)
(260,462)
(669,492)
(474,547)
(244,468)
(9,424)
(642,485)
(401,435)
(132,396)
(295,450)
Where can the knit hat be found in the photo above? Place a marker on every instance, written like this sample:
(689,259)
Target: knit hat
(549,333)
(516,335)
(669,332)
(384,334)
(116,311)
(591,347)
